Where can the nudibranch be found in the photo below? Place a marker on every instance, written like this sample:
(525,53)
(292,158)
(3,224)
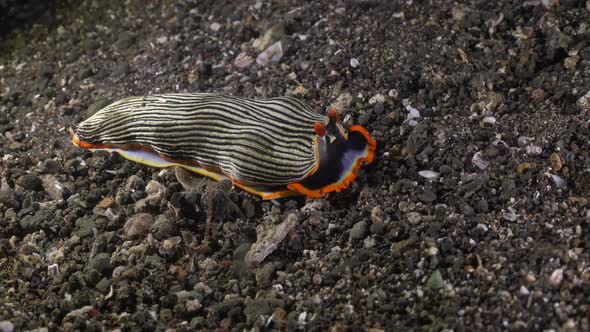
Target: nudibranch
(273,148)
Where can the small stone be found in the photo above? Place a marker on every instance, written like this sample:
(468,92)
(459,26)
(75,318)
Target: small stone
(268,239)
(428,174)
(279,314)
(559,182)
(377,228)
(125,40)
(105,203)
(364,119)
(555,162)
(522,141)
(209,264)
(52,186)
(571,61)
(85,227)
(530,278)
(427,196)
(254,309)
(298,91)
(52,270)
(134,183)
(533,149)
(215,26)
(377,99)
(51,166)
(435,281)
(101,263)
(538,94)
(154,187)
(264,275)
(249,209)
(479,162)
(243,60)
(315,219)
(169,245)
(369,242)
(414,218)
(30,182)
(104,285)
(122,69)
(317,279)
(354,63)
(556,278)
(488,120)
(359,230)
(523,167)
(342,102)
(138,225)
(6,326)
(193,306)
(8,196)
(163,227)
(273,53)
(377,215)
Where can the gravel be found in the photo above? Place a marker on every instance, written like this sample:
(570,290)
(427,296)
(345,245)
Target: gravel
(473,216)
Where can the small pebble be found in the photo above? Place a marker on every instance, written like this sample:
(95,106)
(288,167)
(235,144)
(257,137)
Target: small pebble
(6,326)
(378,98)
(215,26)
(264,275)
(427,196)
(479,162)
(193,306)
(163,227)
(30,182)
(427,174)
(556,278)
(317,279)
(583,102)
(435,281)
(359,230)
(369,242)
(414,218)
(51,166)
(376,215)
(138,225)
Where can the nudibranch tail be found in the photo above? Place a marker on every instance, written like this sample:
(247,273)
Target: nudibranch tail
(272,148)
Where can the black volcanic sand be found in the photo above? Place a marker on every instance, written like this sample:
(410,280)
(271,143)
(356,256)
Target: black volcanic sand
(474,215)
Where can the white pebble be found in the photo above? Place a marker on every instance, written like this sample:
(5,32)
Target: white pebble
(215,26)
(273,53)
(533,149)
(559,181)
(479,162)
(489,120)
(428,174)
(378,98)
(556,278)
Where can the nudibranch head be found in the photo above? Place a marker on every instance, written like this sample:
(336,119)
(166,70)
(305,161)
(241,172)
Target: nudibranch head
(273,147)
(340,156)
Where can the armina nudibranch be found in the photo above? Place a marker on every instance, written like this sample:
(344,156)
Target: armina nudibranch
(273,148)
